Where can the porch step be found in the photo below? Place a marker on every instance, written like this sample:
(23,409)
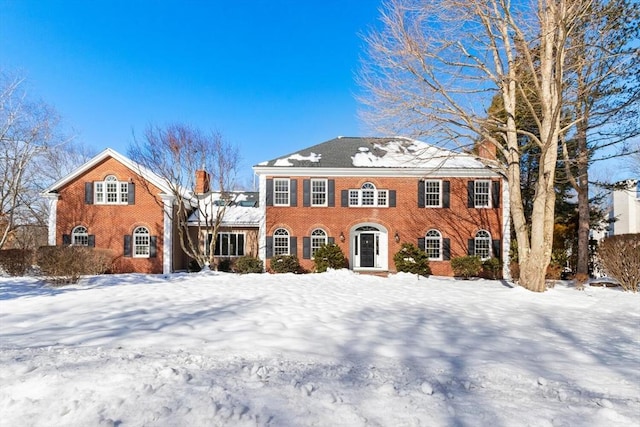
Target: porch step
(374,273)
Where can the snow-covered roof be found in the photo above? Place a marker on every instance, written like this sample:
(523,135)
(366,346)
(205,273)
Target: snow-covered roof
(241,210)
(360,152)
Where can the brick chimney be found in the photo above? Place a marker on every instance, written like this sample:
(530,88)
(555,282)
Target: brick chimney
(486,150)
(203,182)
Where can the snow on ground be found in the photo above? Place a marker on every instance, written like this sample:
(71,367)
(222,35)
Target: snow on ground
(332,349)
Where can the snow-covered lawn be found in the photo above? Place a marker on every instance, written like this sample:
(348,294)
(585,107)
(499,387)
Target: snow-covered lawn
(332,349)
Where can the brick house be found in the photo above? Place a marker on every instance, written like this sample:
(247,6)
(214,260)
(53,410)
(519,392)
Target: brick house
(370,195)
(114,204)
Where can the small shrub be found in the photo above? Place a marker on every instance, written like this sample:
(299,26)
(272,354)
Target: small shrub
(285,264)
(554,272)
(466,266)
(491,268)
(15,262)
(193,266)
(248,264)
(329,256)
(581,278)
(620,259)
(225,265)
(66,264)
(411,259)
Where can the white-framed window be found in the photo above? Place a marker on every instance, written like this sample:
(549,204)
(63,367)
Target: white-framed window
(433,245)
(433,193)
(318,238)
(482,244)
(141,242)
(80,236)
(280,242)
(228,244)
(111,191)
(281,192)
(482,194)
(318,192)
(368,195)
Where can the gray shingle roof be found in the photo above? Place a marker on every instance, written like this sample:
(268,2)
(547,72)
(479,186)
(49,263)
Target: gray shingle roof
(362,152)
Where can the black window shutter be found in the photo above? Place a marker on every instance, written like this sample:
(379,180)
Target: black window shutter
(294,192)
(127,245)
(472,247)
(332,193)
(131,196)
(92,240)
(88,193)
(446,194)
(306,247)
(153,246)
(66,239)
(331,240)
(495,194)
(421,202)
(471,194)
(293,246)
(495,247)
(392,198)
(421,243)
(446,249)
(269,248)
(269,192)
(344,198)
(306,192)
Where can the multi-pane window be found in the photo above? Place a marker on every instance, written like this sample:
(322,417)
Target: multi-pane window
(368,195)
(80,236)
(482,244)
(281,242)
(318,192)
(141,242)
(229,244)
(111,191)
(318,238)
(354,197)
(481,193)
(281,192)
(432,193)
(433,245)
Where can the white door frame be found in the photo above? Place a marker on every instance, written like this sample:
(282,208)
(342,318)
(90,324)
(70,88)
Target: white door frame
(381,249)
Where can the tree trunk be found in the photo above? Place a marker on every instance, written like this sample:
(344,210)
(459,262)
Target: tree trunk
(583,200)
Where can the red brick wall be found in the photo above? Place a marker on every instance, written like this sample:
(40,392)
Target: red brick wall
(458,223)
(109,223)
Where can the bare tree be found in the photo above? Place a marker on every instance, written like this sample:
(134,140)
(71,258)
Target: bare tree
(27,130)
(603,96)
(189,162)
(433,68)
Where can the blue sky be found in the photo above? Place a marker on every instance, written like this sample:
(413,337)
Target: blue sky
(273,76)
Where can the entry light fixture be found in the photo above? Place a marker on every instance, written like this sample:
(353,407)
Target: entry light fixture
(341,236)
(397,237)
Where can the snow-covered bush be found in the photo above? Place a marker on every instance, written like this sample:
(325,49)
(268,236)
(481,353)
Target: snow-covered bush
(466,266)
(66,264)
(15,261)
(329,256)
(411,259)
(620,259)
(285,264)
(248,264)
